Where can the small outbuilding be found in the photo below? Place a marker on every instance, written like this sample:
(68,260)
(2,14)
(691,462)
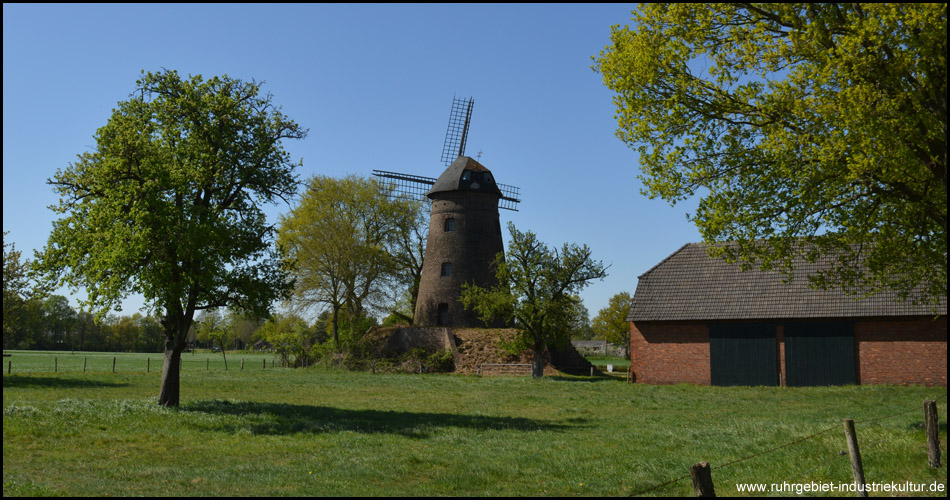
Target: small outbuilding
(699,319)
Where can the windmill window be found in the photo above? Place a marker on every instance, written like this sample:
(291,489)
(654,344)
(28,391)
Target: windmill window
(446,269)
(466,175)
(449,225)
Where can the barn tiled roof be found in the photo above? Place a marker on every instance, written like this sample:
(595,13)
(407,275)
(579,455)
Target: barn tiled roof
(692,285)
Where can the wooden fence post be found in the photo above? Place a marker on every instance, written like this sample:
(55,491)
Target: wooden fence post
(264,365)
(113,364)
(702,480)
(857,468)
(933,433)
(55,364)
(84,364)
(148,365)
(242,364)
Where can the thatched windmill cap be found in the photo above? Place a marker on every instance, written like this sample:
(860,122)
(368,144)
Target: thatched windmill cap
(465,174)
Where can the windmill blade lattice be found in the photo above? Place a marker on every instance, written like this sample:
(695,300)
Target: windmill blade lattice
(415,187)
(457,133)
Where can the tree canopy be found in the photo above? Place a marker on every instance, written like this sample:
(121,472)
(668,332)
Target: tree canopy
(611,322)
(18,289)
(536,291)
(815,128)
(169,205)
(350,244)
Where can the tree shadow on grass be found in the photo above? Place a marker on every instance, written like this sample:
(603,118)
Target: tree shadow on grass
(283,419)
(16,381)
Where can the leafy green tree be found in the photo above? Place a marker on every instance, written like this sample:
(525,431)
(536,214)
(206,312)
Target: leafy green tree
(536,291)
(579,324)
(408,252)
(611,322)
(807,128)
(59,320)
(291,338)
(122,332)
(212,327)
(342,239)
(149,338)
(242,327)
(18,290)
(169,205)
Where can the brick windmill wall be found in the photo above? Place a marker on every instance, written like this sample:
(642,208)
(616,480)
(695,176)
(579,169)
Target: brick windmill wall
(464,238)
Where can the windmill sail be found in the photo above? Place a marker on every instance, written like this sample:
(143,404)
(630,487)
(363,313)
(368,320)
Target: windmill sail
(416,187)
(457,133)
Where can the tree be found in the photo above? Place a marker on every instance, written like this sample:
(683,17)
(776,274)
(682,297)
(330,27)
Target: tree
(18,290)
(611,322)
(59,321)
(536,291)
(809,128)
(290,336)
(211,327)
(342,239)
(579,320)
(169,206)
(242,328)
(408,253)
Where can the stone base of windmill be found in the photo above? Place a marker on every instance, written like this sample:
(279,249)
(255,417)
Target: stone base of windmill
(472,349)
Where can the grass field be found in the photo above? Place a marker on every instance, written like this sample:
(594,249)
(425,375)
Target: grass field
(323,432)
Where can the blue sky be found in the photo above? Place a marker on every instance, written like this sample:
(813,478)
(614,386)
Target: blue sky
(374,84)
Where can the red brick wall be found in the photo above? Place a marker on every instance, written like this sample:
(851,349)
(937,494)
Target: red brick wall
(669,353)
(902,351)
(887,351)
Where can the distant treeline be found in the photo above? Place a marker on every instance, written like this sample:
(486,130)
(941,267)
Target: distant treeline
(51,323)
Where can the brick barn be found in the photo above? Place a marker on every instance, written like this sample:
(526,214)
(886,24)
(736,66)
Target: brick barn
(698,319)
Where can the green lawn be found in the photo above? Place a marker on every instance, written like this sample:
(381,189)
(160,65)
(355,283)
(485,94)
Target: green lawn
(320,432)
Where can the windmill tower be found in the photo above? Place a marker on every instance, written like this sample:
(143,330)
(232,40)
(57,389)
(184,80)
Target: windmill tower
(464,227)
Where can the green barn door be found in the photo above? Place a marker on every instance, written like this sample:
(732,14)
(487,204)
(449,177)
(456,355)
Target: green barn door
(743,354)
(819,354)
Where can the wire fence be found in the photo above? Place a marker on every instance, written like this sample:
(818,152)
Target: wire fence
(132,363)
(786,445)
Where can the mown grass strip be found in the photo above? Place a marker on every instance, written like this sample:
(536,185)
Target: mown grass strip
(328,432)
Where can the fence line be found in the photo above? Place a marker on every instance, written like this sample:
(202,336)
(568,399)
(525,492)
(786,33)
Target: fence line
(687,475)
(106,366)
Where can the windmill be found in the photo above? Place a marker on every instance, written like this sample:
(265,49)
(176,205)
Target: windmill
(464,228)
(416,186)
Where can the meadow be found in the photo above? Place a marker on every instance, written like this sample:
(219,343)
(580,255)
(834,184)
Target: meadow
(329,432)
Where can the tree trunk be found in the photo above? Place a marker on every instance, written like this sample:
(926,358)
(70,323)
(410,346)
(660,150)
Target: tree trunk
(170,391)
(537,369)
(336,328)
(176,334)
